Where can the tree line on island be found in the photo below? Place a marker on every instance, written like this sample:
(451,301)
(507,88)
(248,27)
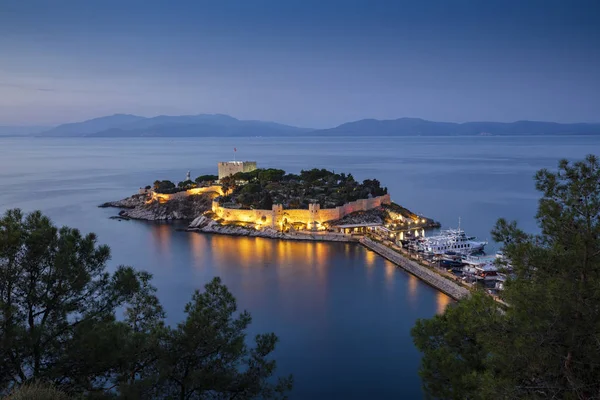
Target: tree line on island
(60,319)
(261,188)
(168,187)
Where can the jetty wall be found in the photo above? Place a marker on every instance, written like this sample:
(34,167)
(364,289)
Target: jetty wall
(437,281)
(314,216)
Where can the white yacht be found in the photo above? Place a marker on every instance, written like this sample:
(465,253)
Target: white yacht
(477,261)
(453,240)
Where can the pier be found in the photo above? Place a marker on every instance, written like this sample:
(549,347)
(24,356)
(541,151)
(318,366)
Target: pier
(430,277)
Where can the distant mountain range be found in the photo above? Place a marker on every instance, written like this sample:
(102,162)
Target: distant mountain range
(121,125)
(421,127)
(219,125)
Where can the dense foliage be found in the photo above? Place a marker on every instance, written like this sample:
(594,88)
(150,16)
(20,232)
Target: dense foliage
(58,324)
(187,184)
(206,179)
(261,188)
(546,344)
(168,187)
(165,187)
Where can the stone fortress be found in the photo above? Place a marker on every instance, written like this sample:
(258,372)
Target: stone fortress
(313,218)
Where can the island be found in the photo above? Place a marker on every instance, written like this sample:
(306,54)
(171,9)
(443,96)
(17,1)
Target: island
(316,204)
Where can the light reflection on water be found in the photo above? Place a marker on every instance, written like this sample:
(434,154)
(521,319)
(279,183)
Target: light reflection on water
(442,302)
(370,258)
(161,238)
(413,287)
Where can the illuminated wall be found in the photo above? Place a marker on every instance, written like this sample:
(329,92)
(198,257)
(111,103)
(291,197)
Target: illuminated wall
(163,197)
(207,189)
(278,215)
(260,217)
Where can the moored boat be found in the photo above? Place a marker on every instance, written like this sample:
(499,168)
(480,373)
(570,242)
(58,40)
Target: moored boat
(451,260)
(452,240)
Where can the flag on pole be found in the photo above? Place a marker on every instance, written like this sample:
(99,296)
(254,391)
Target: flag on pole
(234,149)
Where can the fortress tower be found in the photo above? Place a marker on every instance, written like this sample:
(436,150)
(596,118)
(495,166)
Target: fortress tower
(227,168)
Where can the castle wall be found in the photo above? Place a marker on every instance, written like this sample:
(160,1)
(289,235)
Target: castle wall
(277,215)
(261,217)
(163,197)
(328,214)
(363,204)
(207,189)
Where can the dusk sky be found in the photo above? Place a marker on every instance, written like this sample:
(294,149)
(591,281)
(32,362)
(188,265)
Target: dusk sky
(306,63)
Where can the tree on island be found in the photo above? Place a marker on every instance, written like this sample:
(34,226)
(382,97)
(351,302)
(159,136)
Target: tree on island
(228,183)
(206,179)
(164,186)
(270,175)
(186,184)
(546,343)
(59,325)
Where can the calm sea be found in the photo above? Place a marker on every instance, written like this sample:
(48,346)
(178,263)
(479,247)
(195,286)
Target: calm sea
(343,314)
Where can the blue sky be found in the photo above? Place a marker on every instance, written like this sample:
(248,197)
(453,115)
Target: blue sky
(307,63)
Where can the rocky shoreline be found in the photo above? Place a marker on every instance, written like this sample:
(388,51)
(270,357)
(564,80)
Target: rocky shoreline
(205,224)
(138,207)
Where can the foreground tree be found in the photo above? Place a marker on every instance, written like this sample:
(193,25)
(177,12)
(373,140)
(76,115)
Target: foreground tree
(58,324)
(547,342)
(206,356)
(53,291)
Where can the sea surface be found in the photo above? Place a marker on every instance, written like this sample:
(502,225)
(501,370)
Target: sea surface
(342,313)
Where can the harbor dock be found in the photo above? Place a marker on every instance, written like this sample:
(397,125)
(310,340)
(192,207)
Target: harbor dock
(432,278)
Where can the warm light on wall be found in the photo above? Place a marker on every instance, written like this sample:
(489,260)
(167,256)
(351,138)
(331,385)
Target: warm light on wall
(314,217)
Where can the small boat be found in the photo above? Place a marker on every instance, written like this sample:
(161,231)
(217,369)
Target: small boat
(451,259)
